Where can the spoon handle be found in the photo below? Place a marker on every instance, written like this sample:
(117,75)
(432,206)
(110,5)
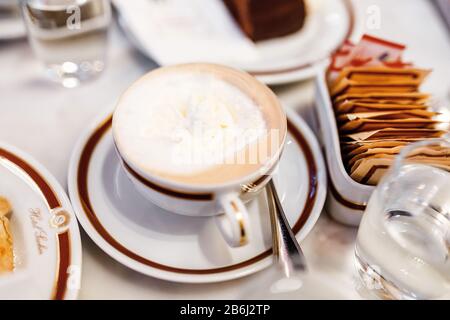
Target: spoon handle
(285,245)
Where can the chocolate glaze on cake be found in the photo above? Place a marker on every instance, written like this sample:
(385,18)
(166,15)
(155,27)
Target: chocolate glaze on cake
(266,19)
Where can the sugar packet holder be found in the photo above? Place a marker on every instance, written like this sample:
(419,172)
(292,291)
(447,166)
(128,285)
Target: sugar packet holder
(347,199)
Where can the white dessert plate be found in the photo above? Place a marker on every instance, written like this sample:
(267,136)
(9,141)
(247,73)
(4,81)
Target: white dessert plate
(46,239)
(177,248)
(281,60)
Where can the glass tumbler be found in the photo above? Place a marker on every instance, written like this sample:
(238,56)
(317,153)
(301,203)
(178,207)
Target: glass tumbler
(403,241)
(69,37)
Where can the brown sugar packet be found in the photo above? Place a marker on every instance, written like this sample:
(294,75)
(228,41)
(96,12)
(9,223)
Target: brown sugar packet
(365,170)
(393,133)
(6,242)
(374,151)
(423,101)
(362,164)
(409,97)
(382,74)
(362,125)
(358,143)
(373,146)
(378,168)
(381,78)
(353,149)
(400,102)
(348,140)
(346,86)
(432,153)
(357,107)
(350,146)
(371,169)
(440,162)
(350,149)
(387,115)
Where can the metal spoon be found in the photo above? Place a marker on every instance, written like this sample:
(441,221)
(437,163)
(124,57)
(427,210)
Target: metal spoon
(285,246)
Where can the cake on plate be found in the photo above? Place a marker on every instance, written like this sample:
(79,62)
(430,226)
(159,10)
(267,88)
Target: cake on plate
(267,19)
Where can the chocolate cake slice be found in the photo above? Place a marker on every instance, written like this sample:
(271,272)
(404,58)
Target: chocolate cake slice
(266,19)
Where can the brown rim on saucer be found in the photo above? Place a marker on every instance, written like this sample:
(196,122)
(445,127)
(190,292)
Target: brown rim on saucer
(83,192)
(351,13)
(53,202)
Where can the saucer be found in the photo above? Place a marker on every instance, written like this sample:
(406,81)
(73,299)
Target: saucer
(46,239)
(178,248)
(280,60)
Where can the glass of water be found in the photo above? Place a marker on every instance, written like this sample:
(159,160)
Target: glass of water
(403,242)
(69,37)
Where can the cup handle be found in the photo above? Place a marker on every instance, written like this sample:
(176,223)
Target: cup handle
(234,224)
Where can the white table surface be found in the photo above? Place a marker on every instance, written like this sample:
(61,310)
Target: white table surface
(46,120)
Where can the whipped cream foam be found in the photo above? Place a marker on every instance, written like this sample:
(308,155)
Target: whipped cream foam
(185,123)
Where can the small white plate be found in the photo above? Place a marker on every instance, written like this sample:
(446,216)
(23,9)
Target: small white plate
(47,247)
(187,249)
(291,58)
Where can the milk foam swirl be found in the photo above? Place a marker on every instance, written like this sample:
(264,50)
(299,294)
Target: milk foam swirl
(183,123)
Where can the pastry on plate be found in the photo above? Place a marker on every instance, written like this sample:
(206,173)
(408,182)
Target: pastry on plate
(6,240)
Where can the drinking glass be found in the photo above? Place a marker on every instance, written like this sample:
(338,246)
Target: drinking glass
(403,241)
(69,37)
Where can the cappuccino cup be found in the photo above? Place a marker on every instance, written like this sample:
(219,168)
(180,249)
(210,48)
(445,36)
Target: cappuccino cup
(200,140)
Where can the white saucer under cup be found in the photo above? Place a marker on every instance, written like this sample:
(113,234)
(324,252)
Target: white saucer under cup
(178,248)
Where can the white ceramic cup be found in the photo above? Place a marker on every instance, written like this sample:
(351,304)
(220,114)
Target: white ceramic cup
(224,201)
